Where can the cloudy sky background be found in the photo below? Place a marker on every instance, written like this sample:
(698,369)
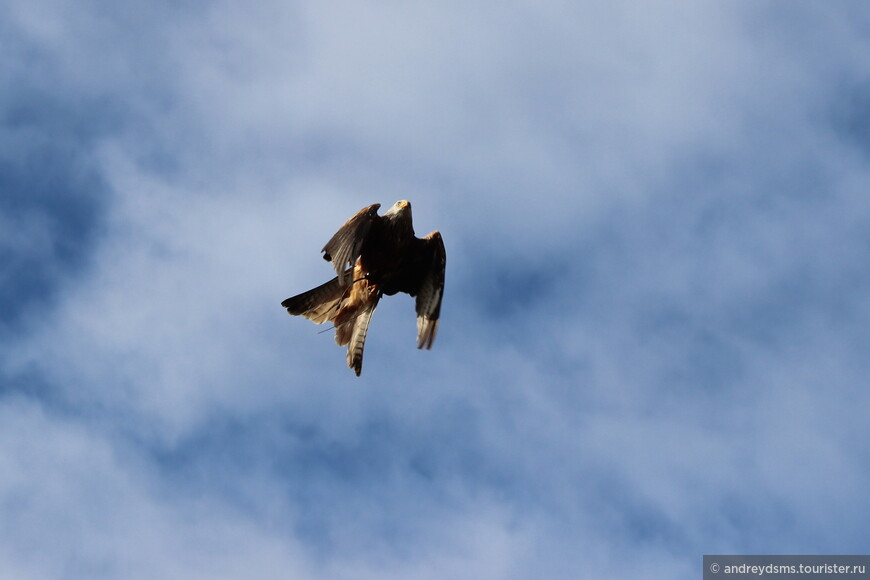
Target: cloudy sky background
(654,339)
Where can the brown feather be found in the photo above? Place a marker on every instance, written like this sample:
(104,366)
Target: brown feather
(358,336)
(431,289)
(318,304)
(359,297)
(345,246)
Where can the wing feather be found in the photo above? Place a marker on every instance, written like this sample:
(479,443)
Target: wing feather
(431,290)
(358,337)
(345,246)
(318,304)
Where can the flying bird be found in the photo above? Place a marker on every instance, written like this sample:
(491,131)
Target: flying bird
(375,255)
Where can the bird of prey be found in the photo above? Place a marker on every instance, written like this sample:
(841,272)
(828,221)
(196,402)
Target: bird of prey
(375,255)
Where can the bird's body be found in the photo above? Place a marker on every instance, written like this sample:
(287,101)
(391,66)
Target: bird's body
(373,256)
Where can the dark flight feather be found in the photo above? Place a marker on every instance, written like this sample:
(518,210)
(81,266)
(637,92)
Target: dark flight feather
(345,246)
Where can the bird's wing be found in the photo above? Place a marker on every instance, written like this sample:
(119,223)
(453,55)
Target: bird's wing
(353,318)
(344,247)
(358,336)
(319,304)
(431,289)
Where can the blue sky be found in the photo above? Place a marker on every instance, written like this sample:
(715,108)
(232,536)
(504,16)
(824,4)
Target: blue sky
(654,339)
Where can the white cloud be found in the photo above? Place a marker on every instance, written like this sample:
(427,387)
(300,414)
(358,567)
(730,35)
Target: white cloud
(77,505)
(655,293)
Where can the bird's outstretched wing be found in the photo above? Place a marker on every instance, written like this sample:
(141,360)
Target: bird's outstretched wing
(431,289)
(344,247)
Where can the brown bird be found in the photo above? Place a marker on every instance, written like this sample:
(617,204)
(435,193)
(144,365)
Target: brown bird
(375,255)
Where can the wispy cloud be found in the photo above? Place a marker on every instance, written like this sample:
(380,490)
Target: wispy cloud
(653,333)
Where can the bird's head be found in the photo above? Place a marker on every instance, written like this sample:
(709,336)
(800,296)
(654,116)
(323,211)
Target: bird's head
(400,216)
(401,207)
